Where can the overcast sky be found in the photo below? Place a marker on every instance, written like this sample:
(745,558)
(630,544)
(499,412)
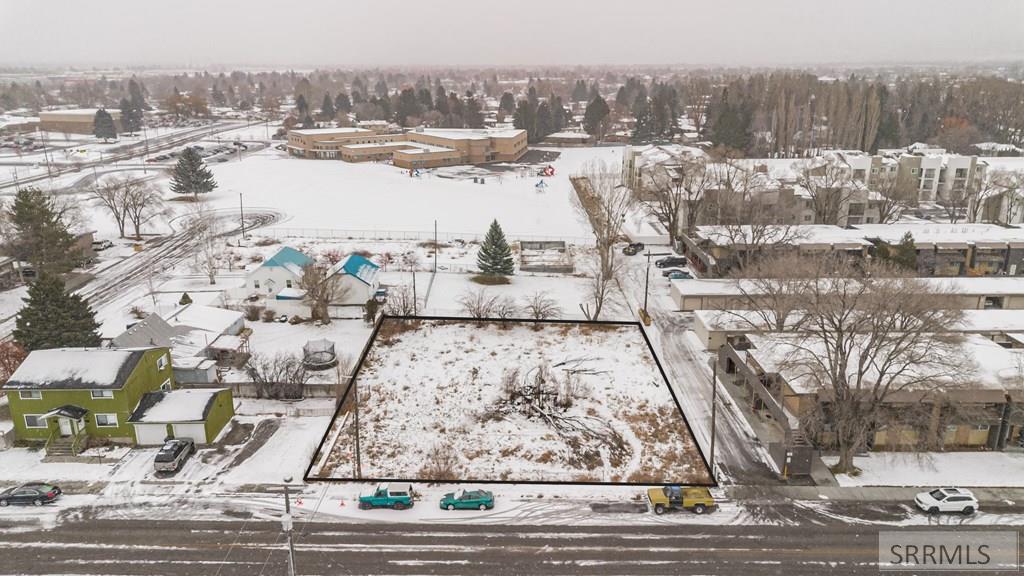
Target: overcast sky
(529,32)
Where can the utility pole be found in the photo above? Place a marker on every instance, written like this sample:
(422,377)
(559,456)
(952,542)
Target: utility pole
(145,148)
(415,302)
(241,215)
(359,459)
(435,247)
(286,524)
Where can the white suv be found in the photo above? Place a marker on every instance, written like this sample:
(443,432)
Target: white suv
(947,500)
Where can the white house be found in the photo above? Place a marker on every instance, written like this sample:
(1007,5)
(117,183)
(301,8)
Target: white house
(280,271)
(358,279)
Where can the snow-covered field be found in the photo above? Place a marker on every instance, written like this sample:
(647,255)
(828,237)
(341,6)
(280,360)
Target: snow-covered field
(321,196)
(975,469)
(520,402)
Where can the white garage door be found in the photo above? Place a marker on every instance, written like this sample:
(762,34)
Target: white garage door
(150,434)
(196,432)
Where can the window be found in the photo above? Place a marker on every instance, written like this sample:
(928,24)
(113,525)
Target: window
(33,421)
(981,427)
(961,172)
(98,394)
(913,170)
(161,362)
(288,283)
(166,386)
(30,395)
(256,284)
(106,420)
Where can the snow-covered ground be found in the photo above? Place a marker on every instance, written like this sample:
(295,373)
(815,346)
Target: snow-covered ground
(977,469)
(321,196)
(481,401)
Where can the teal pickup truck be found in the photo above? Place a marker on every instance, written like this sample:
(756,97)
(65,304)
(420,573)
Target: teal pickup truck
(396,496)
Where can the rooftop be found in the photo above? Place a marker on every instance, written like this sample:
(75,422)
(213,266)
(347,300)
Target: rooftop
(327,131)
(76,369)
(191,405)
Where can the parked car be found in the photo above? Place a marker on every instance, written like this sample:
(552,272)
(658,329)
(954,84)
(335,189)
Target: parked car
(666,273)
(670,261)
(395,495)
(36,494)
(947,500)
(173,453)
(697,500)
(679,275)
(633,248)
(100,245)
(468,500)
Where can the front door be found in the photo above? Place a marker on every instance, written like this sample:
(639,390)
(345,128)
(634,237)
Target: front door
(65,426)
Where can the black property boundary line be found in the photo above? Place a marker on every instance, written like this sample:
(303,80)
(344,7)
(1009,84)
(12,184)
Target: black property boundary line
(373,338)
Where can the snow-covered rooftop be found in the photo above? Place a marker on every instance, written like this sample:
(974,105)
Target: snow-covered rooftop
(328,131)
(76,368)
(207,318)
(188,405)
(469,133)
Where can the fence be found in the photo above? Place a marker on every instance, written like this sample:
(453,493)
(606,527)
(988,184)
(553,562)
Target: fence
(406,235)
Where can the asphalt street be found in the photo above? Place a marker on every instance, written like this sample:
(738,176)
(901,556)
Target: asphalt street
(240,547)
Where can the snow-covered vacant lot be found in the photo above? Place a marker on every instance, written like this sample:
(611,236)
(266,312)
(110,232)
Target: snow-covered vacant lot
(515,401)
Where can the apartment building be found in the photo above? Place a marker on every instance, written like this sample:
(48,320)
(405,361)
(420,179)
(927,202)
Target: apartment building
(419,148)
(936,174)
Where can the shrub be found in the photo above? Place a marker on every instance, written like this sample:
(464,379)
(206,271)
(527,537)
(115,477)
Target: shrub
(269,315)
(137,312)
(252,312)
(491,279)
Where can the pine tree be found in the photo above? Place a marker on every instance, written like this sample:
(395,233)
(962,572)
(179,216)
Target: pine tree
(138,99)
(495,257)
(543,124)
(301,106)
(597,110)
(103,125)
(185,299)
(342,105)
(508,103)
(327,111)
(131,118)
(52,318)
(644,128)
(40,236)
(191,176)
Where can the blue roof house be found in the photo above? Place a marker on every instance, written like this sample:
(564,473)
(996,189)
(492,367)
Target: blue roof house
(282,271)
(358,280)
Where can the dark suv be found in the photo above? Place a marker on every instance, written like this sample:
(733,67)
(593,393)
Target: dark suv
(36,494)
(670,261)
(173,454)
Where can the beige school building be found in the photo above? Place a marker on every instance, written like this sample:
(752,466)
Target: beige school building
(420,148)
(77,121)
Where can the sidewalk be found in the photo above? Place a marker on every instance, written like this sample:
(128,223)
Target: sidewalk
(775,494)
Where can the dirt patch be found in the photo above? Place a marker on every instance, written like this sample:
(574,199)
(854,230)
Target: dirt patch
(264,430)
(239,433)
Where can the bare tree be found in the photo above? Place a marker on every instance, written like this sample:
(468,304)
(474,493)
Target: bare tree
(604,200)
(997,184)
(142,203)
(280,376)
(676,193)
(866,336)
(478,303)
(540,306)
(204,227)
(600,285)
(892,195)
(771,291)
(323,287)
(1012,191)
(401,301)
(830,188)
(956,204)
(111,195)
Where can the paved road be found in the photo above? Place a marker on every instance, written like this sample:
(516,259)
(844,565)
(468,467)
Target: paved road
(248,548)
(737,454)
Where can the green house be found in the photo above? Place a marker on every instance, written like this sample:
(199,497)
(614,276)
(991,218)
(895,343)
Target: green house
(63,397)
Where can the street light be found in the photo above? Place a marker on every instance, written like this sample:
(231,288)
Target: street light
(241,215)
(286,524)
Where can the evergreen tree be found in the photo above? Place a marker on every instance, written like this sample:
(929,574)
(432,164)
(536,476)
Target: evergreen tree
(495,257)
(580,93)
(191,176)
(342,105)
(40,236)
(308,122)
(543,124)
(472,115)
(508,103)
(301,106)
(327,111)
(731,124)
(103,125)
(644,128)
(426,100)
(559,118)
(441,100)
(381,89)
(131,119)
(185,299)
(138,99)
(524,118)
(52,318)
(903,254)
(408,107)
(597,110)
